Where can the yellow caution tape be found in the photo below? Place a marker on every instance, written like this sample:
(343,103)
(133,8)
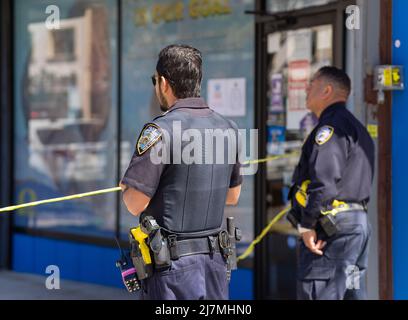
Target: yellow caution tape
(247,252)
(287,155)
(102,191)
(264,232)
(74,196)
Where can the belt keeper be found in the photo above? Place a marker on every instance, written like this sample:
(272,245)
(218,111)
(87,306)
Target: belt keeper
(172,243)
(211,244)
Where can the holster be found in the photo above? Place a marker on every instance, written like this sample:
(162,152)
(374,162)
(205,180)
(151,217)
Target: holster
(227,241)
(328,225)
(161,253)
(156,240)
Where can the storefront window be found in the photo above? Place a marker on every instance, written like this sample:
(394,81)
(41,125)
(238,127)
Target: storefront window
(65,113)
(66,101)
(289,5)
(225,36)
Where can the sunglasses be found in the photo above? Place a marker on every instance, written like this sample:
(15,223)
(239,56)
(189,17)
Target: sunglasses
(154,80)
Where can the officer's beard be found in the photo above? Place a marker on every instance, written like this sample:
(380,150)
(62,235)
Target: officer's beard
(164,106)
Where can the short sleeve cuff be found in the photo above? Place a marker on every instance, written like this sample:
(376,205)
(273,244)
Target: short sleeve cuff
(308,223)
(148,191)
(236,182)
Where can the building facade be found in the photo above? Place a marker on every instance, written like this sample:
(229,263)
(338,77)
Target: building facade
(76,91)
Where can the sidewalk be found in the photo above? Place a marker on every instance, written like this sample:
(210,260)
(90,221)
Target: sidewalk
(20,286)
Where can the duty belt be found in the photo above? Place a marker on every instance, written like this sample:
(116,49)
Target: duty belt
(328,219)
(187,247)
(344,207)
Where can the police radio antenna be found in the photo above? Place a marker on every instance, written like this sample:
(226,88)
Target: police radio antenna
(120,248)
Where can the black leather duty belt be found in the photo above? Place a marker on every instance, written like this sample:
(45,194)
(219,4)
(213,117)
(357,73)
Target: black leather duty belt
(187,247)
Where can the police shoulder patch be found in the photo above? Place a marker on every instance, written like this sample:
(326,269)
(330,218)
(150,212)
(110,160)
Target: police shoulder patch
(324,134)
(150,134)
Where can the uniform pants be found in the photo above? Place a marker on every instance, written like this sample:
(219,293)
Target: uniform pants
(195,277)
(340,273)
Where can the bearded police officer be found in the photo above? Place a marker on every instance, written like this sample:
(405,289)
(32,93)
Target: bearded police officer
(332,185)
(186,198)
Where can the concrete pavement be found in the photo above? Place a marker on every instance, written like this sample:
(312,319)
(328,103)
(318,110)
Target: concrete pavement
(20,286)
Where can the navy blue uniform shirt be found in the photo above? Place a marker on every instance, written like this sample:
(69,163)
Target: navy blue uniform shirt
(338,159)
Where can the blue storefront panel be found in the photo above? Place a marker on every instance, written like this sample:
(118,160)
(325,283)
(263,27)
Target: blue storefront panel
(76,261)
(400,156)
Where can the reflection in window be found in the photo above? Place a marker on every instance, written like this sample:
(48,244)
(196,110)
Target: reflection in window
(65,119)
(289,5)
(62,45)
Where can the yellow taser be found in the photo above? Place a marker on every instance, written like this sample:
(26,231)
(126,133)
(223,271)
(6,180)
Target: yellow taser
(141,237)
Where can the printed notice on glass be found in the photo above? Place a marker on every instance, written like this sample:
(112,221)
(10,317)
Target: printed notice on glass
(227,96)
(298,77)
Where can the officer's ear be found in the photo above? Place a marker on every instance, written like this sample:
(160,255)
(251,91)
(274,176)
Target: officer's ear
(165,85)
(328,91)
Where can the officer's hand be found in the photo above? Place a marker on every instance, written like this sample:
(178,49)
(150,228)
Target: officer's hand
(310,241)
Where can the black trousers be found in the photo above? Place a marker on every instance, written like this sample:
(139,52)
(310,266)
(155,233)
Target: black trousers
(340,274)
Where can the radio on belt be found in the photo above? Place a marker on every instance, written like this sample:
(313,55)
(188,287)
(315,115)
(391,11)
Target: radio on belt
(388,78)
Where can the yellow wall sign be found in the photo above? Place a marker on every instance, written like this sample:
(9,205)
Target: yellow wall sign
(396,76)
(389,77)
(178,10)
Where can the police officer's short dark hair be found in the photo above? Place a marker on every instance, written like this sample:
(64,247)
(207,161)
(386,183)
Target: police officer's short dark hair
(336,76)
(181,66)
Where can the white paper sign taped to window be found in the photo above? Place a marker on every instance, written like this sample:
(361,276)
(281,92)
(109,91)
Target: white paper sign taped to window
(227,96)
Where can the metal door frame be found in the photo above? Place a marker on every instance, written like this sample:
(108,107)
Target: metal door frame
(6,130)
(266,23)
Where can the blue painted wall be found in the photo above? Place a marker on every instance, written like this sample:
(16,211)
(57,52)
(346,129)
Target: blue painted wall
(92,264)
(79,262)
(400,156)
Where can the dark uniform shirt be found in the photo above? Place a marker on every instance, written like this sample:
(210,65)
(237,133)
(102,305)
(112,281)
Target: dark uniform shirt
(184,197)
(338,159)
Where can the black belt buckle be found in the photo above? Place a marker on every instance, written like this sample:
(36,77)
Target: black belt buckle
(172,243)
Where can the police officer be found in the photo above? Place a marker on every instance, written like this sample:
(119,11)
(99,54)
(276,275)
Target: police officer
(186,198)
(336,168)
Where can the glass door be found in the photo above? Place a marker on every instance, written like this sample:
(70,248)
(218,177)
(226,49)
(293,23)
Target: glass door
(291,56)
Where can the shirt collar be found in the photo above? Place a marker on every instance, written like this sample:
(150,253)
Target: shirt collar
(330,109)
(190,103)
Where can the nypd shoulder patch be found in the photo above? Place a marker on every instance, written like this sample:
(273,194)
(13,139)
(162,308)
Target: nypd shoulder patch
(148,137)
(324,134)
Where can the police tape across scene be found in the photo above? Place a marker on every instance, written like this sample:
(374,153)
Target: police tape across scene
(247,252)
(115,189)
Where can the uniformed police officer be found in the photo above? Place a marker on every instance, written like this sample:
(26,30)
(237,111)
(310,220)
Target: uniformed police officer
(336,170)
(187,198)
